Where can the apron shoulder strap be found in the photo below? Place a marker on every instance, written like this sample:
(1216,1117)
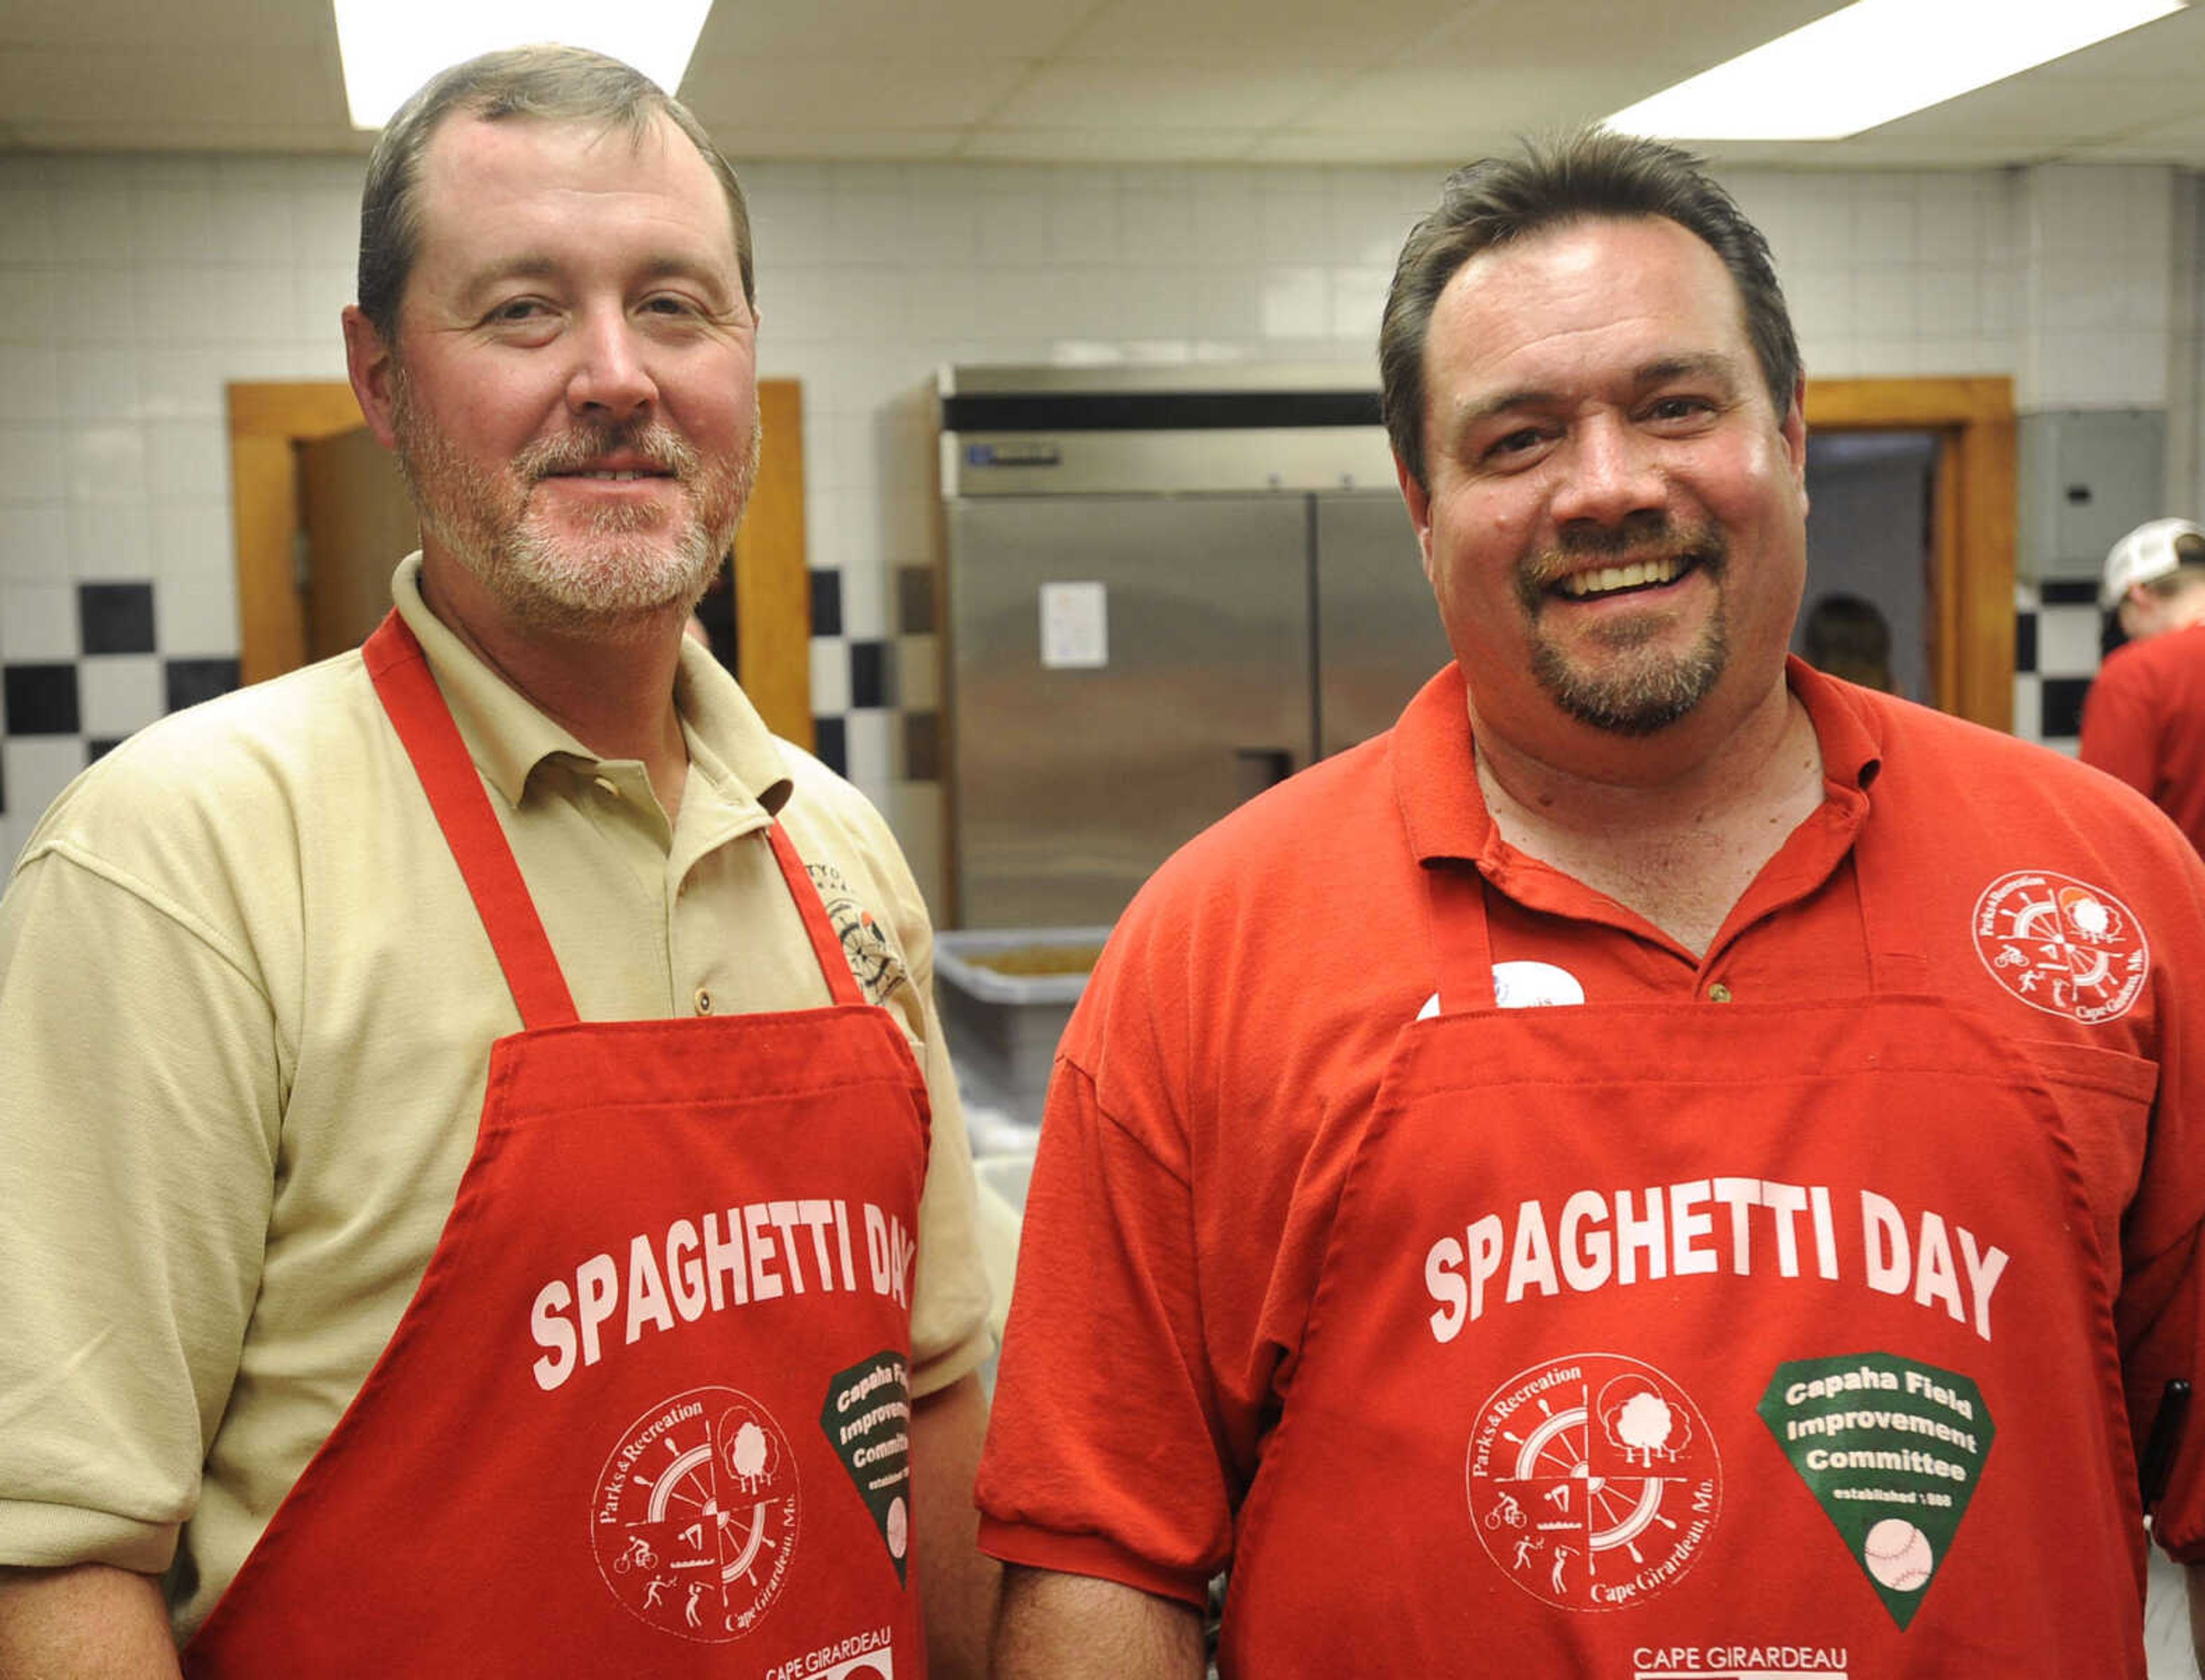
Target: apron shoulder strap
(1462,947)
(417,711)
(826,946)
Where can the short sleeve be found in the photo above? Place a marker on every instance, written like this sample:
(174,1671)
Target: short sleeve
(1102,1456)
(137,1144)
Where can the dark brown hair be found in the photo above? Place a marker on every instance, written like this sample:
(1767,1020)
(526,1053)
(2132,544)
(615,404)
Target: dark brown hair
(1592,173)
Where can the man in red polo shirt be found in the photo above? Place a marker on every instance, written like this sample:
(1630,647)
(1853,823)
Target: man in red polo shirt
(2144,719)
(1663,1162)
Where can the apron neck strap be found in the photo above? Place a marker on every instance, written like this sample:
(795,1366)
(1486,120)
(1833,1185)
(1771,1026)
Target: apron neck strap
(826,945)
(424,722)
(1462,947)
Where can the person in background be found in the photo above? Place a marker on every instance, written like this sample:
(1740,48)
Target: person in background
(472,1205)
(1662,1156)
(2144,719)
(1847,635)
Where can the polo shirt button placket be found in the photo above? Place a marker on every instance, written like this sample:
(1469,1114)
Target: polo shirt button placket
(1718,993)
(704,1001)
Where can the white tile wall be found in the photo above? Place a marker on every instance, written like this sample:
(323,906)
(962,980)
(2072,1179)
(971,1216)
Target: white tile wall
(132,289)
(2099,287)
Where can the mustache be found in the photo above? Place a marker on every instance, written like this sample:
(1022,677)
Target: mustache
(653,441)
(1651,536)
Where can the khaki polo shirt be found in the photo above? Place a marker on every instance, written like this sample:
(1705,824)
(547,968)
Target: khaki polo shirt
(246,1009)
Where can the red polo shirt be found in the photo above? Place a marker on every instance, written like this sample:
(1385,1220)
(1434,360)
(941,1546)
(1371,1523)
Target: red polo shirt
(1181,1200)
(2143,721)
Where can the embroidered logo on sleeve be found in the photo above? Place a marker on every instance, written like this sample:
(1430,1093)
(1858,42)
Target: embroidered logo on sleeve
(2062,946)
(872,957)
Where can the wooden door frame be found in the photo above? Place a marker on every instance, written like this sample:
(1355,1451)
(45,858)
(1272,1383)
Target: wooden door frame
(1971,568)
(773,584)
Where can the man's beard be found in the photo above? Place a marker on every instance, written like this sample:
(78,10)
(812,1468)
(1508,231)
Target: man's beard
(1634,688)
(628,563)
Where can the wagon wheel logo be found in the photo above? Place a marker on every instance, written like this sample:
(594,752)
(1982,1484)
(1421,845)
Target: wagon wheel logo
(2062,946)
(695,1516)
(1593,1481)
(865,946)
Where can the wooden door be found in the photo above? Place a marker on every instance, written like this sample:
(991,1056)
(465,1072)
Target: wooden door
(357,522)
(273,427)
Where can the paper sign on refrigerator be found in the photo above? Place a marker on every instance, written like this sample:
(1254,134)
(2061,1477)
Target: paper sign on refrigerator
(1075,627)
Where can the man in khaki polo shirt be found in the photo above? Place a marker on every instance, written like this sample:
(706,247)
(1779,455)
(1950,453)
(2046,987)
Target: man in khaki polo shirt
(247,1008)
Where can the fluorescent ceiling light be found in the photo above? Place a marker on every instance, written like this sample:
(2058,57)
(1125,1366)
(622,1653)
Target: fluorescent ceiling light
(390,47)
(1876,61)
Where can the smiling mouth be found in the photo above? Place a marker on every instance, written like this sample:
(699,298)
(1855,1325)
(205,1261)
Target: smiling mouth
(1608,581)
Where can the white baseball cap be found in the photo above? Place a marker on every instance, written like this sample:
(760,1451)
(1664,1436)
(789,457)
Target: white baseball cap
(2146,553)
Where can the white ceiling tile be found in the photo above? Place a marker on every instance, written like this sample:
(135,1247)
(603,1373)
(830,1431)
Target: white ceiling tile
(1438,148)
(135,25)
(1257,32)
(1129,145)
(887,28)
(1288,81)
(1476,104)
(1090,94)
(1658,43)
(835,144)
(765,95)
(148,87)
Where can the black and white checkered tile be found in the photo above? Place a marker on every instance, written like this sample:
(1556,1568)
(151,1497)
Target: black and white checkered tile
(2058,644)
(80,670)
(855,695)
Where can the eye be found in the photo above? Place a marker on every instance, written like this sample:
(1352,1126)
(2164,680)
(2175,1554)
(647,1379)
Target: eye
(1514,445)
(1678,408)
(517,309)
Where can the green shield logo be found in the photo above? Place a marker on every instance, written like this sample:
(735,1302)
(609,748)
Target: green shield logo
(867,1419)
(1892,1449)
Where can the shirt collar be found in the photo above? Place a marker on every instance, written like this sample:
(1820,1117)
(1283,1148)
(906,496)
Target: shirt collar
(1436,773)
(508,737)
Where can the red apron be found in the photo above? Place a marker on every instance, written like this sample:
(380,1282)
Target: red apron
(1701,1339)
(647,1413)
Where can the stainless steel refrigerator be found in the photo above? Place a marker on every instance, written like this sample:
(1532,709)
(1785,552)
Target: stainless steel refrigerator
(1165,589)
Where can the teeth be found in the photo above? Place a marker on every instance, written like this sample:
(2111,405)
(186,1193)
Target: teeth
(616,477)
(1609,579)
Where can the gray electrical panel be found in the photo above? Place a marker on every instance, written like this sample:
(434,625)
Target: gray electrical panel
(2088,477)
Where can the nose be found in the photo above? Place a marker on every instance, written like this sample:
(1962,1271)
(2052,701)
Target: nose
(609,379)
(1610,473)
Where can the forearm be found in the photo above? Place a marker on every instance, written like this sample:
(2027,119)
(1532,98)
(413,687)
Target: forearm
(957,1581)
(1074,1627)
(91,1622)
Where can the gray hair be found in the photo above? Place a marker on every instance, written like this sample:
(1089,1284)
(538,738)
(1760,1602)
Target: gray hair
(1592,173)
(551,84)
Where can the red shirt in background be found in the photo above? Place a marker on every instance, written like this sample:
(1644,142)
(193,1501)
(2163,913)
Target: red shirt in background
(2143,721)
